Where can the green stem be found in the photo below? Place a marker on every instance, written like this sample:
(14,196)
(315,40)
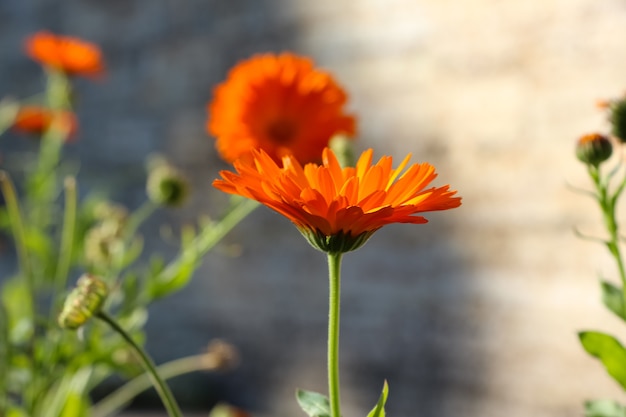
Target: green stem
(43,182)
(115,401)
(138,217)
(212,234)
(608,203)
(18,231)
(161,387)
(67,235)
(334,275)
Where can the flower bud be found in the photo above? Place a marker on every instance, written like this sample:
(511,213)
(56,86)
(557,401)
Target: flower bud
(343,149)
(166,185)
(617,118)
(83,302)
(103,243)
(593,149)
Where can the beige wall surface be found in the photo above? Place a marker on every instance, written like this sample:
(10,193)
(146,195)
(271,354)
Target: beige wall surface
(474,314)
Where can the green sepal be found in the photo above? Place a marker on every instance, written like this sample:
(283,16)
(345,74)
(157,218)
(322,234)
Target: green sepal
(379,409)
(604,408)
(609,350)
(313,403)
(613,299)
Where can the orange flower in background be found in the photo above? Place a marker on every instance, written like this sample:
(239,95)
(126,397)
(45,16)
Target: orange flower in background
(338,209)
(278,103)
(37,120)
(70,55)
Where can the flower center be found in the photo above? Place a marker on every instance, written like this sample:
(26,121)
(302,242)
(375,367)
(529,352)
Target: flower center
(281,131)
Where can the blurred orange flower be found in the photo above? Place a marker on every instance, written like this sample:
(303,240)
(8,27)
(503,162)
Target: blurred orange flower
(37,120)
(281,104)
(336,208)
(70,55)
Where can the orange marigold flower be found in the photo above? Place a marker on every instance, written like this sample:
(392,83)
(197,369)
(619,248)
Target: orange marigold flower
(338,209)
(70,55)
(37,120)
(281,104)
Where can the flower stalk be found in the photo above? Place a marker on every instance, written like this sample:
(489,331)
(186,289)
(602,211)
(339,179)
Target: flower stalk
(161,387)
(608,202)
(334,275)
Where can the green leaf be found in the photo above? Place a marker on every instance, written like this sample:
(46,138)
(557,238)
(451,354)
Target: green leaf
(604,408)
(75,406)
(379,410)
(17,301)
(312,403)
(609,350)
(178,273)
(613,299)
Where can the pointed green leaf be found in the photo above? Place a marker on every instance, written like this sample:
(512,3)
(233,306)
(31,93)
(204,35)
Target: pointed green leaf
(604,408)
(609,350)
(379,410)
(314,404)
(613,299)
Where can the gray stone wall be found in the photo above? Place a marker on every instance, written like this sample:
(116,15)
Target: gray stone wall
(474,314)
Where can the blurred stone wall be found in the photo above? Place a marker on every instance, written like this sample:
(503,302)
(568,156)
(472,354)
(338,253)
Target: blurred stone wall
(474,314)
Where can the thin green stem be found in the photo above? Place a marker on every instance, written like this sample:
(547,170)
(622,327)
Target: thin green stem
(67,235)
(43,182)
(18,231)
(115,401)
(138,217)
(212,234)
(608,202)
(161,387)
(334,275)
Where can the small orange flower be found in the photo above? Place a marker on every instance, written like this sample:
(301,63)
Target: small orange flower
(70,55)
(37,120)
(338,209)
(281,104)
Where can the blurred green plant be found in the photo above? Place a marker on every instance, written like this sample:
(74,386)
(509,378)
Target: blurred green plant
(594,150)
(47,370)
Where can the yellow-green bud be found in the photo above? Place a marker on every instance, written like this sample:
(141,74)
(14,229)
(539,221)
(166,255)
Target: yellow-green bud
(166,185)
(618,119)
(343,149)
(103,243)
(593,149)
(83,302)
(108,211)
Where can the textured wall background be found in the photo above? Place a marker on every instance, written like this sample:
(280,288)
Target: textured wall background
(474,314)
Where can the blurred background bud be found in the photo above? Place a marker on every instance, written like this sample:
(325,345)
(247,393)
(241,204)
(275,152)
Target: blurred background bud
(166,185)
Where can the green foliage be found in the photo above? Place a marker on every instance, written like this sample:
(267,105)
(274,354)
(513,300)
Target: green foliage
(46,371)
(604,408)
(313,403)
(608,189)
(379,409)
(609,350)
(613,299)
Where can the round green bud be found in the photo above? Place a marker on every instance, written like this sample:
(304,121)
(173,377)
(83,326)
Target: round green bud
(617,118)
(167,186)
(593,149)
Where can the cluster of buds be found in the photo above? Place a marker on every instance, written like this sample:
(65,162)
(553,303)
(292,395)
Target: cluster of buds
(595,148)
(84,301)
